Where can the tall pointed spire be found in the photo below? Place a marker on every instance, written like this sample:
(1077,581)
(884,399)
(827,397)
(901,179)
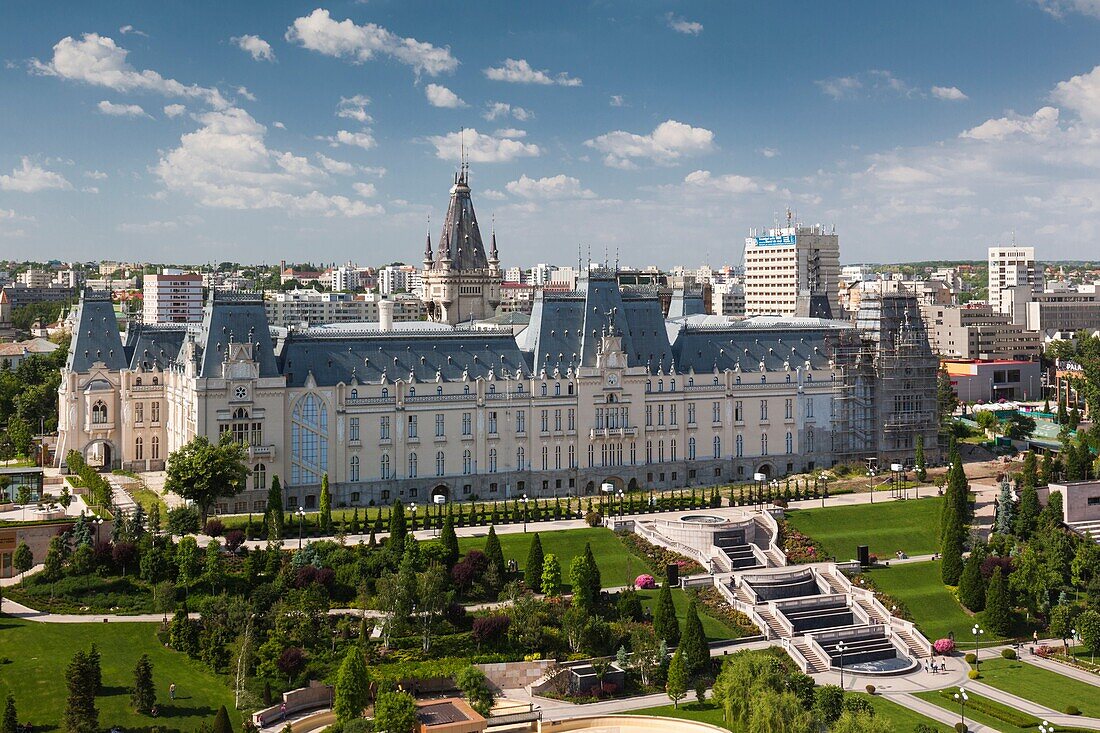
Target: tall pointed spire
(428,245)
(493,256)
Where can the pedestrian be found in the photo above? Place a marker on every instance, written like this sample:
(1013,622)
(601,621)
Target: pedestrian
(282,712)
(172,691)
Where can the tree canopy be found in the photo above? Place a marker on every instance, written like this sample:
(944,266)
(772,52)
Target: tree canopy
(204,472)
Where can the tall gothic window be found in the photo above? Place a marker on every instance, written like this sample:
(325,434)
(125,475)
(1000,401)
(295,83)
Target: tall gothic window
(308,441)
(99,413)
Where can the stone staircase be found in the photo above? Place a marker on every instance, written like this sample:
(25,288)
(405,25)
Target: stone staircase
(740,554)
(768,617)
(1092,528)
(834,583)
(873,613)
(817,664)
(915,649)
(743,595)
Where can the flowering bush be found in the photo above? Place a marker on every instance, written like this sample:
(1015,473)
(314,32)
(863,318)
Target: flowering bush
(799,547)
(644,582)
(1045,651)
(943,646)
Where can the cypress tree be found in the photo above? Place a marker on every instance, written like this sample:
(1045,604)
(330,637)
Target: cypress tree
(1045,468)
(532,572)
(273,516)
(998,608)
(449,540)
(918,459)
(951,549)
(355,521)
(694,642)
(143,696)
(352,687)
(325,505)
(221,721)
(494,552)
(596,583)
(81,715)
(1029,474)
(11,720)
(398,529)
(665,625)
(1027,514)
(95,670)
(972,585)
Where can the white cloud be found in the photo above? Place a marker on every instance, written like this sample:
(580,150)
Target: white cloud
(95,175)
(278,125)
(258,47)
(174,110)
(365,190)
(616,100)
(510,132)
(840,87)
(130,30)
(727,184)
(8,218)
(227,164)
(768,152)
(373,170)
(669,142)
(98,61)
(901,174)
(339,167)
(354,108)
(518,71)
(501,109)
(441,96)
(30,178)
(680,25)
(950,94)
(492,195)
(874,82)
(360,43)
(1060,8)
(1081,94)
(362,140)
(90,189)
(120,110)
(555,187)
(243,91)
(1040,124)
(482,148)
(148,227)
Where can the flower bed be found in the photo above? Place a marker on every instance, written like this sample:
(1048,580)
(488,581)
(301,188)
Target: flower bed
(717,607)
(657,557)
(799,548)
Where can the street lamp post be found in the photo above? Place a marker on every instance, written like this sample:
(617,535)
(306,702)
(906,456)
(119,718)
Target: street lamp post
(301,524)
(98,521)
(871,483)
(840,647)
(525,513)
(412,513)
(962,697)
(622,508)
(977,631)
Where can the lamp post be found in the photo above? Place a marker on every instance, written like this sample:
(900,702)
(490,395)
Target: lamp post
(840,647)
(412,513)
(622,509)
(525,513)
(871,483)
(977,631)
(301,523)
(98,521)
(962,697)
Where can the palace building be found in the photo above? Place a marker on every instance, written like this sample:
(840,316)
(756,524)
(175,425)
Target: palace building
(600,388)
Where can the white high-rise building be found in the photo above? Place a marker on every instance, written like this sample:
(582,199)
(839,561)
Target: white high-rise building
(791,270)
(172,297)
(1009,267)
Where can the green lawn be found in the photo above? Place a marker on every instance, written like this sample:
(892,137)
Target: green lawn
(943,699)
(715,629)
(706,712)
(903,718)
(1041,686)
(41,652)
(617,565)
(932,606)
(886,526)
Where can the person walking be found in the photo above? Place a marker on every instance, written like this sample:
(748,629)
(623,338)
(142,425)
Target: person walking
(172,691)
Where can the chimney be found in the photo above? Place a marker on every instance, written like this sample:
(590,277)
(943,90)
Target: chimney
(385,315)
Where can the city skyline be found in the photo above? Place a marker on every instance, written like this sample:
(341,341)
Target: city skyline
(235,134)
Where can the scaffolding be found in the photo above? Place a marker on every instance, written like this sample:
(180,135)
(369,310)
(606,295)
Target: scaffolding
(885,395)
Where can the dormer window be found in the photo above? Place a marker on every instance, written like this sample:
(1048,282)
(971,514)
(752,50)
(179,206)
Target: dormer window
(355,394)
(138,381)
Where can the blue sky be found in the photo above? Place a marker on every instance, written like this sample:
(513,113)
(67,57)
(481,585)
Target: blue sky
(257,131)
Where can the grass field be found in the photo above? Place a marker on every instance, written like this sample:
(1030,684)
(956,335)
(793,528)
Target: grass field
(934,610)
(903,719)
(715,629)
(888,526)
(36,676)
(1041,686)
(617,565)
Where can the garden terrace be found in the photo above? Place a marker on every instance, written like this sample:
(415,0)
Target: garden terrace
(781,587)
(867,649)
(817,613)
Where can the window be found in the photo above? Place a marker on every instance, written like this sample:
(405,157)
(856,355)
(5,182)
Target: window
(466,424)
(492,460)
(649,416)
(384,466)
(154,412)
(717,446)
(763,410)
(557,420)
(672,415)
(521,421)
(492,389)
(788,409)
(790,442)
(809,441)
(154,445)
(308,441)
(572,420)
(353,469)
(99,413)
(740,443)
(672,450)
(355,394)
(439,425)
(660,414)
(412,465)
(259,477)
(156,381)
(672,387)
(809,408)
(557,457)
(544,389)
(493,423)
(591,455)
(545,458)
(691,413)
(520,459)
(648,386)
(739,411)
(557,389)
(139,453)
(572,456)
(439,391)
(544,421)
(649,451)
(467,462)
(256,435)
(716,412)
(354,430)
(440,464)
(691,449)
(763,444)
(660,385)
(412,426)
(139,412)
(384,427)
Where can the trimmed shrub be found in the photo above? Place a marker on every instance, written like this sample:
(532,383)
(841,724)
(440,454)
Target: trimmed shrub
(215,527)
(1008,653)
(944,646)
(1071,710)
(970,658)
(870,689)
(972,674)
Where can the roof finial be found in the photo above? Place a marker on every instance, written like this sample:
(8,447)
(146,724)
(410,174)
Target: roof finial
(464,162)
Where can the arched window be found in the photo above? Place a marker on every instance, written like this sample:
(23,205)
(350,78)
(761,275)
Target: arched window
(412,391)
(544,389)
(155,448)
(139,449)
(439,391)
(355,394)
(385,392)
(737,380)
(440,464)
(308,441)
(353,469)
(99,413)
(810,441)
(154,410)
(466,389)
(520,458)
(569,388)
(672,449)
(492,389)
(691,449)
(672,385)
(717,446)
(740,445)
(384,466)
(467,463)
(557,389)
(715,380)
(412,465)
(259,477)
(763,379)
(492,460)
(763,444)
(788,379)
(138,381)
(648,385)
(660,385)
(790,442)
(156,381)
(240,414)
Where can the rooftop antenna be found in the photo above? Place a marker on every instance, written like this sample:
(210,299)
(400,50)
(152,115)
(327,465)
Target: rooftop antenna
(616,259)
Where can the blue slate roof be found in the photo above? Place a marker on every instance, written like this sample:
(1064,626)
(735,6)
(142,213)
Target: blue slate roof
(686,303)
(152,346)
(95,336)
(460,241)
(239,317)
(745,344)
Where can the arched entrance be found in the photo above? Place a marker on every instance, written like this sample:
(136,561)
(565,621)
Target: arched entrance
(100,454)
(766,469)
(441,490)
(614,481)
(589,488)
(633,485)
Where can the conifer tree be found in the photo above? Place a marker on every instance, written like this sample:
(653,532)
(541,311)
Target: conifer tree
(998,607)
(354,521)
(398,529)
(918,459)
(95,670)
(972,584)
(665,624)
(693,643)
(1027,515)
(352,687)
(532,572)
(677,683)
(325,506)
(951,549)
(449,540)
(11,720)
(273,516)
(222,723)
(143,696)
(494,552)
(595,581)
(81,715)
(1006,510)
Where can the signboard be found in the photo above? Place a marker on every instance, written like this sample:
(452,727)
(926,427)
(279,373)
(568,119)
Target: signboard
(776,240)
